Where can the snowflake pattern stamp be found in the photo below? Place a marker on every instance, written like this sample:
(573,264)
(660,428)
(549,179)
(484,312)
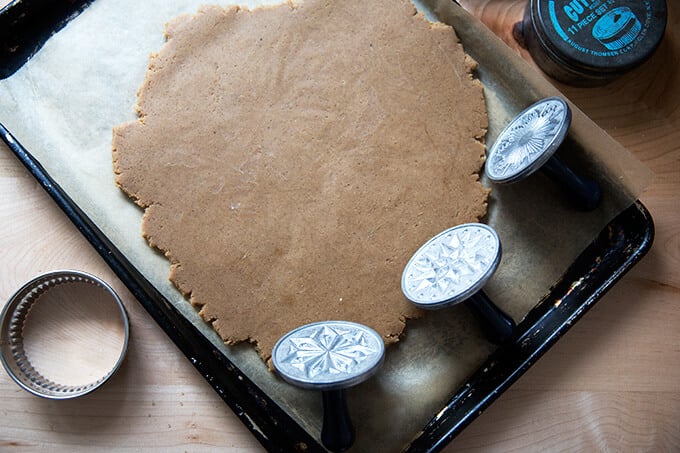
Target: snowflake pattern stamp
(452,266)
(529,141)
(328,355)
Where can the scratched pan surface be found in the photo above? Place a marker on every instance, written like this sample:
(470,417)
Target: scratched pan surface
(444,373)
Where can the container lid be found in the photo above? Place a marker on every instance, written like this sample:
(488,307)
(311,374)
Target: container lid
(600,35)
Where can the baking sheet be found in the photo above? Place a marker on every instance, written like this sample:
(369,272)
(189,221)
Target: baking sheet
(63,103)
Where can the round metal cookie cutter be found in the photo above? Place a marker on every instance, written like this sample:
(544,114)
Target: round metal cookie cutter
(63,334)
(453,267)
(330,356)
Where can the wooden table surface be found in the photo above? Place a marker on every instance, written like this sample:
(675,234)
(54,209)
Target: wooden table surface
(612,383)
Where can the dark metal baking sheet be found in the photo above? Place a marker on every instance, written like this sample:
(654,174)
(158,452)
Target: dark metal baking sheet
(624,241)
(25,25)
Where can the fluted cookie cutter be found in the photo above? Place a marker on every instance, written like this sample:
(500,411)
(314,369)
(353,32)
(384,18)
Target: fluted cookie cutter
(330,356)
(453,267)
(529,143)
(63,334)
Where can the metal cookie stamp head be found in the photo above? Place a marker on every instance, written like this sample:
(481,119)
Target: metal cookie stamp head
(330,356)
(529,143)
(453,267)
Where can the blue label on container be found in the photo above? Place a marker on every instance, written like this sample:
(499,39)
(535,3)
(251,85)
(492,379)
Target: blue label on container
(600,28)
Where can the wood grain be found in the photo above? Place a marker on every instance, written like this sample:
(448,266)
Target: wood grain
(612,383)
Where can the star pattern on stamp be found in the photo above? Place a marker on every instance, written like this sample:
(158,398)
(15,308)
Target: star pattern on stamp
(328,350)
(451,264)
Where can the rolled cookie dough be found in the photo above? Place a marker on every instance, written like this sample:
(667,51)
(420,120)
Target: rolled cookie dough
(291,159)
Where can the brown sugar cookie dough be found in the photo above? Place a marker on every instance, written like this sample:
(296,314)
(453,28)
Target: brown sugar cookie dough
(291,159)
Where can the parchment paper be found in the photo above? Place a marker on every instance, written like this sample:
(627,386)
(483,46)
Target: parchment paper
(63,103)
